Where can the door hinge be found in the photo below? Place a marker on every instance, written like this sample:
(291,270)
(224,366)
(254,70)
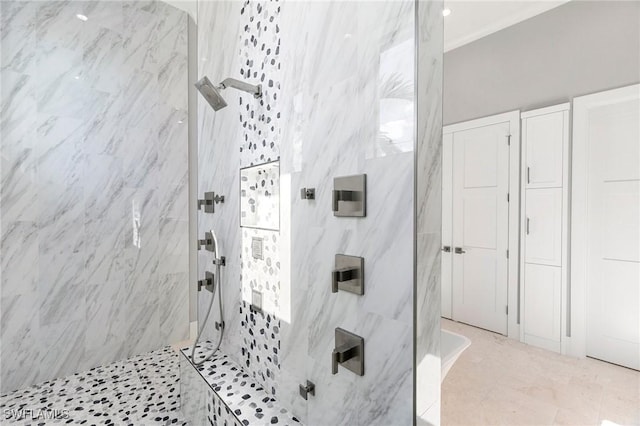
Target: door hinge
(509,140)
(507,197)
(507,254)
(506,310)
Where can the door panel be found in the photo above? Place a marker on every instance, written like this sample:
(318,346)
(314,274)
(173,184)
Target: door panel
(613,324)
(480,157)
(617,127)
(479,218)
(480,226)
(613,232)
(542,306)
(620,221)
(543,226)
(544,156)
(476,300)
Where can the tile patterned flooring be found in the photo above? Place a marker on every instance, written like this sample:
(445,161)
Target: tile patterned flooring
(499,381)
(496,381)
(142,390)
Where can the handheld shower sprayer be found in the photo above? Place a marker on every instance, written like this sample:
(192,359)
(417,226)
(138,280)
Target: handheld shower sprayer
(212,93)
(218,261)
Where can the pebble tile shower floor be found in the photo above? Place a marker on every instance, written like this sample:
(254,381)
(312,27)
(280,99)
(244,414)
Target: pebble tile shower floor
(142,390)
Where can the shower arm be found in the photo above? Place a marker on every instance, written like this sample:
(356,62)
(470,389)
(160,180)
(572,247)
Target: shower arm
(256,91)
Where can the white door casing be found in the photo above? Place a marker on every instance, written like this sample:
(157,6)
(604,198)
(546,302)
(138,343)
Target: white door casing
(485,176)
(606,226)
(447,224)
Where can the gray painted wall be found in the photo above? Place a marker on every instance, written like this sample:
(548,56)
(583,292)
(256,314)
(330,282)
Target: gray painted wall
(578,48)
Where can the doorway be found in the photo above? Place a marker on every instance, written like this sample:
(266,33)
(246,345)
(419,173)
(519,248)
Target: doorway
(480,170)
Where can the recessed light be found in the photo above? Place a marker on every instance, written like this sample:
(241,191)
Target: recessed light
(82,17)
(77,77)
(446,12)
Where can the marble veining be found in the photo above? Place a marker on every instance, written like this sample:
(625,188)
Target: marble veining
(94,187)
(428,211)
(341,102)
(251,53)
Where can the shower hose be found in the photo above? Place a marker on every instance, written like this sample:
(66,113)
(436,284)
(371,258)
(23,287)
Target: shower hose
(216,289)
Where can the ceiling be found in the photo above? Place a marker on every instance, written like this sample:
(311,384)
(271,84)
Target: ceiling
(473,19)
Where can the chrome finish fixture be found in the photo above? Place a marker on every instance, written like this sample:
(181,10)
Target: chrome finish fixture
(257,248)
(308,193)
(212,93)
(446,249)
(210,199)
(308,389)
(458,250)
(343,195)
(348,352)
(348,275)
(255,90)
(207,282)
(350,196)
(256,301)
(207,243)
(211,283)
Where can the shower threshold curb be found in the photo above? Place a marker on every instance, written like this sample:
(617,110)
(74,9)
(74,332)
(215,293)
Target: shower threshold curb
(245,399)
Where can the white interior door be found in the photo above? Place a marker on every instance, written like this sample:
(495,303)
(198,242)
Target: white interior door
(480,226)
(607,140)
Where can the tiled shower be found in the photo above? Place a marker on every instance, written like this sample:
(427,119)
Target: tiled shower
(97,201)
(94,184)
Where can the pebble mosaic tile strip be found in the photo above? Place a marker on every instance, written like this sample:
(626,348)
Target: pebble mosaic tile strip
(238,393)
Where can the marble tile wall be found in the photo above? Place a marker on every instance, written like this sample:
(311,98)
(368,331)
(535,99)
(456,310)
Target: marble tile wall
(220,136)
(428,210)
(94,231)
(247,48)
(345,106)
(336,57)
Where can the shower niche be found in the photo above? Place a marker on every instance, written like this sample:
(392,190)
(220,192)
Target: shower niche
(260,196)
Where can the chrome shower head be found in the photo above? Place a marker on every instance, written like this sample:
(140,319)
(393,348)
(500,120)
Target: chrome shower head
(212,93)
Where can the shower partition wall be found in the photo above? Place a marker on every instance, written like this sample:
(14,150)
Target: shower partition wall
(94,225)
(338,99)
